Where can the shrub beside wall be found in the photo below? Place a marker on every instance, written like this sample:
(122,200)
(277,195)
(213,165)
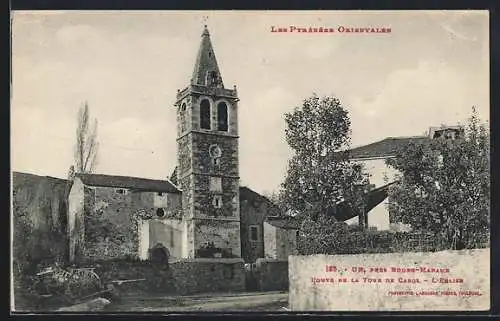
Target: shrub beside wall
(372,241)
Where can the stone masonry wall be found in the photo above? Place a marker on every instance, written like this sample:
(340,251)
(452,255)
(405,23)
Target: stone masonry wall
(112,220)
(181,278)
(203,198)
(252,213)
(208,276)
(184,155)
(272,274)
(202,162)
(225,236)
(111,229)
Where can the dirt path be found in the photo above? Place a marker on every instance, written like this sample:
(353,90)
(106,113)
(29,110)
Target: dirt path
(261,301)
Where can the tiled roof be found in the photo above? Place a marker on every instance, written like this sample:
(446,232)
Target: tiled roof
(247,194)
(173,176)
(344,212)
(20,177)
(251,195)
(386,147)
(143,184)
(287,223)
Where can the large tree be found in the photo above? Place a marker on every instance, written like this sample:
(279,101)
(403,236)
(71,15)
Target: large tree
(87,145)
(445,186)
(319,173)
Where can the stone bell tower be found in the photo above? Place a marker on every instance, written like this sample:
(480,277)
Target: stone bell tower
(208,167)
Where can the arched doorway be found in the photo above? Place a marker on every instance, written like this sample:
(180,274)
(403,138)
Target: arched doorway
(159,254)
(160,277)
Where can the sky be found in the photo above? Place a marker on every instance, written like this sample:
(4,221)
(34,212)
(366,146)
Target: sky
(430,70)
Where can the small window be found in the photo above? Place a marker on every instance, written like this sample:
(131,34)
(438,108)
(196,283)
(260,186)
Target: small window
(216,161)
(216,184)
(297,235)
(212,78)
(121,191)
(160,212)
(183,107)
(217,201)
(160,193)
(254,233)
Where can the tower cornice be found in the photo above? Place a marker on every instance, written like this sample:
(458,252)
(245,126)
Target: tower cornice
(210,133)
(230,94)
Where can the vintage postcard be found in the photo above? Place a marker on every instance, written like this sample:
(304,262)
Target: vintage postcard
(250,161)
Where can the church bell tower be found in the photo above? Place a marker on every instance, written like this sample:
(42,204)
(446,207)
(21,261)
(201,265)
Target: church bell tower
(208,167)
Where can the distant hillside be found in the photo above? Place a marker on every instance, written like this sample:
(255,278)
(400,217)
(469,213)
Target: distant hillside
(39,215)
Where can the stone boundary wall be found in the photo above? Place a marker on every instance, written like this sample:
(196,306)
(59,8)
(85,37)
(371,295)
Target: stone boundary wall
(208,275)
(181,277)
(272,275)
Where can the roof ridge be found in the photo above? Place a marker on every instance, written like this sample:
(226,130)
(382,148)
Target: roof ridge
(406,137)
(120,181)
(126,176)
(387,138)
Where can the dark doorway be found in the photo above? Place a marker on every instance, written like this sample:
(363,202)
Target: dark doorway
(251,277)
(159,255)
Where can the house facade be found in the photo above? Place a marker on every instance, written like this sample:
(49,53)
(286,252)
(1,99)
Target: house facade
(373,157)
(202,212)
(280,237)
(116,216)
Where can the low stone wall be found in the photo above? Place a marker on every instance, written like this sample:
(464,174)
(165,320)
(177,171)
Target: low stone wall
(272,275)
(208,275)
(156,278)
(427,281)
(178,278)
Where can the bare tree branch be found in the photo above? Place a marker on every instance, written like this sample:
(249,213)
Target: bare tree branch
(86,147)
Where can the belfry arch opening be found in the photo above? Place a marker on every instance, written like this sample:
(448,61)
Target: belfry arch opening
(205,114)
(222,116)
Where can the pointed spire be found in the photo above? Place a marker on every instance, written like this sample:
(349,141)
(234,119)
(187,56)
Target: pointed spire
(206,71)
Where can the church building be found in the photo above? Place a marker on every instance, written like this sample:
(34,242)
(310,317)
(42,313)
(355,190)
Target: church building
(201,211)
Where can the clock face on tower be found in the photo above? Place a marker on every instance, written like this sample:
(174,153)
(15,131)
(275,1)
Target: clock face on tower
(214,151)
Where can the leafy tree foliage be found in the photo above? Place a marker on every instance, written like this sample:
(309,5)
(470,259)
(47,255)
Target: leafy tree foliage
(445,186)
(319,174)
